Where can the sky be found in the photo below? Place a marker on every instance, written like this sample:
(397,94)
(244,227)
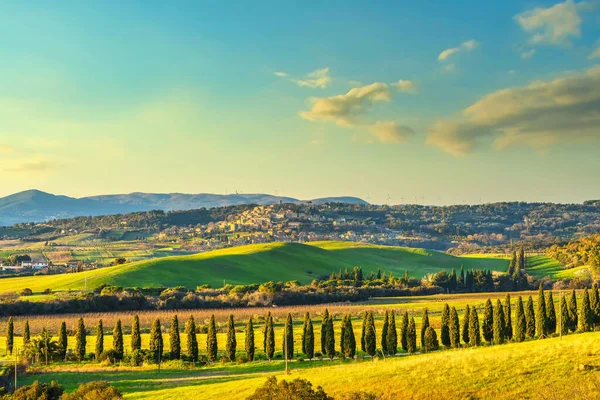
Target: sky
(431,102)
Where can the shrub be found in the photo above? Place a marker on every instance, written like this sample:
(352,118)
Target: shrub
(26,292)
(109,355)
(298,389)
(95,390)
(47,391)
(47,291)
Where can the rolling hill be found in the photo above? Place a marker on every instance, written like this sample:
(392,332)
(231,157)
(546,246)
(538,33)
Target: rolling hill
(256,264)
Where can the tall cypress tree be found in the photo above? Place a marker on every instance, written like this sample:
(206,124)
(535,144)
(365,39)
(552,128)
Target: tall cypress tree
(370,336)
(520,322)
(329,338)
(445,330)
(174,339)
(63,343)
(80,340)
(465,325)
(595,304)
(304,328)
(10,335)
(487,325)
(231,344)
(585,312)
(392,335)
(431,341)
(348,341)
(118,340)
(288,338)
(573,312)
(564,316)
(363,346)
(26,336)
(269,338)
(454,329)
(309,340)
(384,330)
(541,317)
(192,340)
(324,332)
(342,328)
(411,336)
(424,325)
(474,332)
(530,318)
(211,340)
(403,329)
(136,337)
(99,338)
(499,323)
(550,315)
(156,340)
(250,340)
(508,331)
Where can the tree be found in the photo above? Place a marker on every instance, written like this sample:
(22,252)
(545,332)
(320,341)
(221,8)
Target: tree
(94,390)
(550,315)
(424,325)
(49,391)
(118,340)
(403,330)
(363,346)
(595,304)
(465,325)
(323,331)
(269,337)
(541,317)
(136,337)
(99,339)
(80,340)
(411,336)
(192,340)
(530,318)
(487,325)
(329,338)
(174,339)
(474,332)
(296,389)
(520,322)
(454,329)
(564,316)
(431,341)
(211,340)
(585,312)
(288,338)
(63,338)
(10,335)
(309,339)
(392,335)
(384,329)
(508,330)
(445,330)
(250,340)
(499,323)
(348,341)
(231,344)
(303,337)
(370,336)
(26,336)
(573,312)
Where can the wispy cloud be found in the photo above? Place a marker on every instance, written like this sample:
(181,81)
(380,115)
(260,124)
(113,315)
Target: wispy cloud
(527,53)
(596,52)
(405,86)
(31,166)
(316,79)
(280,74)
(4,148)
(538,115)
(467,46)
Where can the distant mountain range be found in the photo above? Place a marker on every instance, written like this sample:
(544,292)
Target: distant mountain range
(38,206)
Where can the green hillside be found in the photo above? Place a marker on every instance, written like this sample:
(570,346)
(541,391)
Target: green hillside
(256,264)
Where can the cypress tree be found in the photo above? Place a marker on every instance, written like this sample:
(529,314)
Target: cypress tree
(595,304)
(63,343)
(384,330)
(26,336)
(348,341)
(392,335)
(520,322)
(324,332)
(370,336)
(465,325)
(530,318)
(80,340)
(329,338)
(304,327)
(499,323)
(136,337)
(445,330)
(454,329)
(10,335)
(250,340)
(550,315)
(156,340)
(288,338)
(118,340)
(174,339)
(231,344)
(269,338)
(411,336)
(309,340)
(265,331)
(541,317)
(99,338)
(211,340)
(192,340)
(474,332)
(585,312)
(342,328)
(424,325)
(564,316)
(431,341)
(508,331)
(461,279)
(573,312)
(363,346)
(487,325)
(403,329)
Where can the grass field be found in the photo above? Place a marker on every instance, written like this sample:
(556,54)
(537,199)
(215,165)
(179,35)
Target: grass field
(257,264)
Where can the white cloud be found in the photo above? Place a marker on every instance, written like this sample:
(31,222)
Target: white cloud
(538,115)
(317,79)
(391,132)
(405,86)
(554,25)
(595,53)
(467,46)
(280,74)
(527,54)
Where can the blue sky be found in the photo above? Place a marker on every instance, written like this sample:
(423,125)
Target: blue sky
(435,102)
